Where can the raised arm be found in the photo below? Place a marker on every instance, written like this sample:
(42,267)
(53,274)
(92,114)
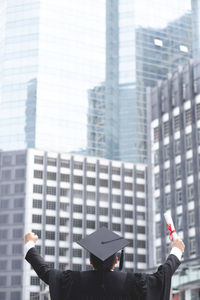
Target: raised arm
(35,259)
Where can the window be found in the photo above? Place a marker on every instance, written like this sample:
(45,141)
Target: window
(116,227)
(166,152)
(198,136)
(156,181)
(6,174)
(38,174)
(128,173)
(192,245)
(19,173)
(79,179)
(90,224)
(157,204)
(51,205)
(189,166)
(103,182)
(35,280)
(156,134)
(77,253)
(91,167)
(115,171)
(158,230)
(128,200)
(38,232)
(16,264)
(129,214)
(179,222)
(198,111)
(37,189)
(128,257)
(140,174)
(156,157)
(166,128)
(77,208)
(37,203)
(2,295)
(3,265)
(51,190)
(63,236)
(158,255)
(37,219)
(4,219)
(5,189)
(178,196)
(3,281)
(188,141)
(167,201)
(18,218)
(103,169)
(116,185)
(17,249)
(116,198)
(4,203)
(16,295)
(65,177)
(51,161)
(177,147)
(3,234)
(91,210)
(50,235)
(63,192)
(63,221)
(167,176)
(188,117)
(64,206)
(178,171)
(191,218)
(38,160)
(90,181)
(78,165)
(190,192)
(139,188)
(176,123)
(19,188)
(3,249)
(116,212)
(128,228)
(63,251)
(128,186)
(49,250)
(65,163)
(19,203)
(103,211)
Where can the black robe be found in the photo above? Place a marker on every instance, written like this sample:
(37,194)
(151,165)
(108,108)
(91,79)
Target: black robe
(94,285)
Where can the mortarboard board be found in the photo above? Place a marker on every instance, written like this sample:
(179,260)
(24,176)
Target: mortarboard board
(103,243)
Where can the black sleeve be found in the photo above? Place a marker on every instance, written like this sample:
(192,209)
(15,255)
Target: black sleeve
(39,265)
(159,283)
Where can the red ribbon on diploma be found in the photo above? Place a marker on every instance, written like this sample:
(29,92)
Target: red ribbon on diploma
(171,231)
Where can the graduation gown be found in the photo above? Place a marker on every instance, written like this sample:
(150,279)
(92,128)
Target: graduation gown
(94,285)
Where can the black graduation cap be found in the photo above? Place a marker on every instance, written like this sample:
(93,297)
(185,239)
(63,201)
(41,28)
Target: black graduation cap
(103,243)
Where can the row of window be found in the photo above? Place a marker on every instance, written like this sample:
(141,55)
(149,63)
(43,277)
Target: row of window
(178,223)
(16,218)
(16,203)
(177,148)
(6,189)
(176,123)
(89,166)
(8,160)
(178,198)
(192,250)
(6,174)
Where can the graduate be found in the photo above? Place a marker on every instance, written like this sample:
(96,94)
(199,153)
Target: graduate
(103,282)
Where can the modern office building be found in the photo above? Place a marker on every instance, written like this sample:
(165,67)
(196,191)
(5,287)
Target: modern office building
(49,56)
(175,162)
(144,43)
(62,198)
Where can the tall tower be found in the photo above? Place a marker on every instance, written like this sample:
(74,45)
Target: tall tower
(142,47)
(49,54)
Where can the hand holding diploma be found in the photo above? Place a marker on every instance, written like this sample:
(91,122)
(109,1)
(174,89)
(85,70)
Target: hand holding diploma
(170,225)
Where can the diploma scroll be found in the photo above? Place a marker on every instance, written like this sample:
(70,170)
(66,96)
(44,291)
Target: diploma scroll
(170,225)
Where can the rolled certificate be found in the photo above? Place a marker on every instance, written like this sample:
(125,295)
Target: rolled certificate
(170,225)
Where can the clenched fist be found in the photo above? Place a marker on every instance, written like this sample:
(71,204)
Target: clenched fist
(178,243)
(30,237)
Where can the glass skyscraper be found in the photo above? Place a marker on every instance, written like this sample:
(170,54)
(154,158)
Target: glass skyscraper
(145,41)
(51,54)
